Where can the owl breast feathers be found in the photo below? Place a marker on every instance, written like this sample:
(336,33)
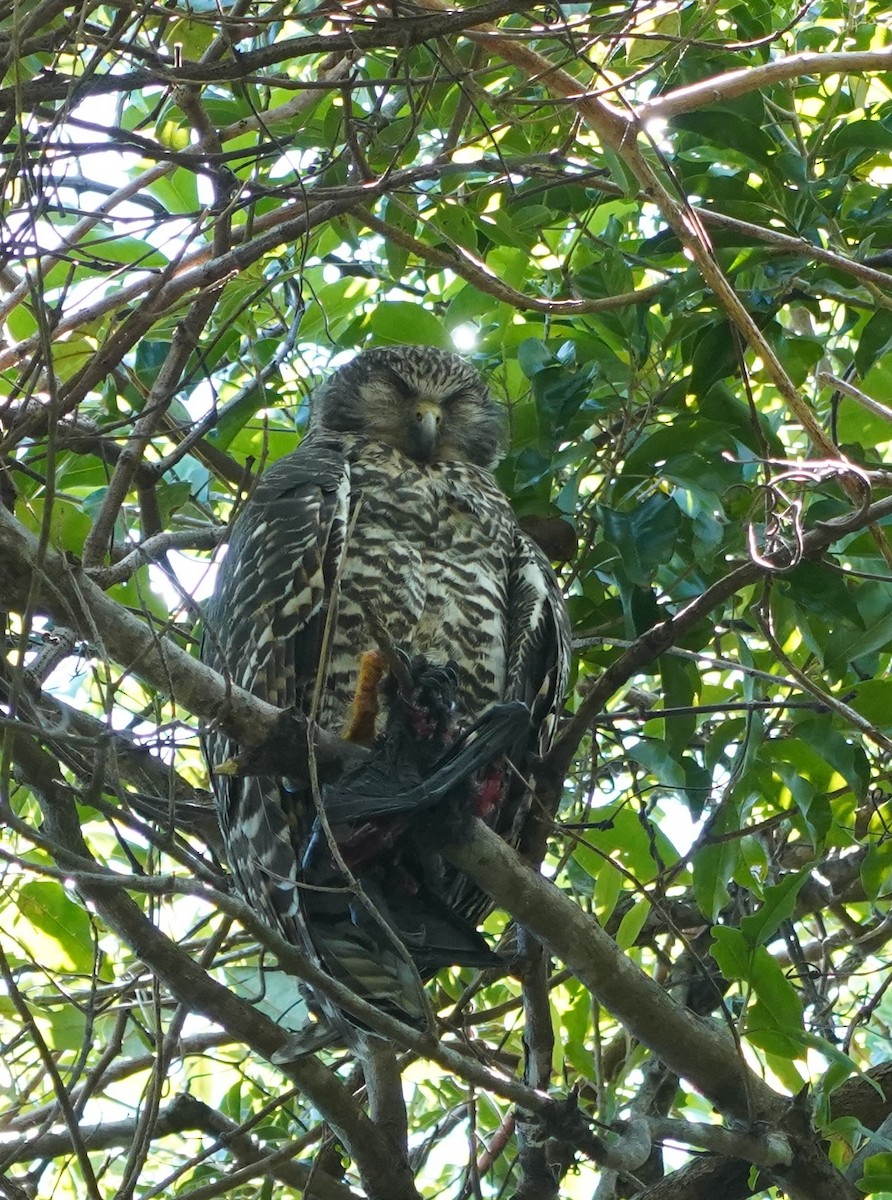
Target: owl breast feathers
(386,517)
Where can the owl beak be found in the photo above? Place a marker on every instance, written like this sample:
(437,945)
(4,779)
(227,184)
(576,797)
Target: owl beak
(424,430)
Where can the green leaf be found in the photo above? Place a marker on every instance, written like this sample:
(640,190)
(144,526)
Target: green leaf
(876,871)
(22,322)
(873,700)
(731,951)
(608,886)
(334,305)
(860,135)
(681,681)
(698,785)
(632,841)
(69,523)
(857,425)
(778,1007)
(714,357)
(826,593)
(64,941)
(645,536)
(172,496)
(783,1067)
(876,337)
(640,48)
(844,755)
(193,37)
(734,127)
(774,1018)
(402,217)
(877,1177)
(632,923)
(656,756)
(98,249)
(715,864)
(534,356)
(559,393)
(397,321)
(452,220)
(843,650)
(777,906)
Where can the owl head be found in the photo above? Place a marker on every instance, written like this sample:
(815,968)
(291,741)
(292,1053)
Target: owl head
(428,403)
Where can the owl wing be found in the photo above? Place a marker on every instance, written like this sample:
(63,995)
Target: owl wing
(263,629)
(539,640)
(539,646)
(264,624)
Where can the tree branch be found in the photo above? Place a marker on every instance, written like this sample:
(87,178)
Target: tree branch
(700,1050)
(480,276)
(725,86)
(697,1049)
(402,31)
(63,591)
(184,1113)
(384,1176)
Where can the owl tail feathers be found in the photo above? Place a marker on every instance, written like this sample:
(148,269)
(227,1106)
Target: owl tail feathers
(436,936)
(370,963)
(383,945)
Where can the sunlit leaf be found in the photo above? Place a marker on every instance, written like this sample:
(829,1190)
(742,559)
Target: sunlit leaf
(66,941)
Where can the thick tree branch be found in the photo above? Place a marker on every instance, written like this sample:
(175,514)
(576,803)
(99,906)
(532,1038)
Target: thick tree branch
(184,1114)
(866,1097)
(700,1050)
(719,88)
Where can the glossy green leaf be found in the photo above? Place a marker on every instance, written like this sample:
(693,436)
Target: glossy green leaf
(64,926)
(632,923)
(778,903)
(877,1177)
(395,321)
(715,864)
(644,537)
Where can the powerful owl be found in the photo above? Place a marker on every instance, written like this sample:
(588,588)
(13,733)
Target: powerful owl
(385,518)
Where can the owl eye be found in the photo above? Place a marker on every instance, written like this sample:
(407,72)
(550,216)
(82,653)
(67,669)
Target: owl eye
(405,390)
(462,393)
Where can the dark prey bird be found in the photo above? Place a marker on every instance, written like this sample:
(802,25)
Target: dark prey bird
(387,510)
(389,817)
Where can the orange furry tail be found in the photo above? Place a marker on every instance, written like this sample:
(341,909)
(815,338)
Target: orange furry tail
(360,727)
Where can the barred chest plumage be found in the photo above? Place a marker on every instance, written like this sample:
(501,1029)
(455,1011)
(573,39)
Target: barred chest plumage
(429,555)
